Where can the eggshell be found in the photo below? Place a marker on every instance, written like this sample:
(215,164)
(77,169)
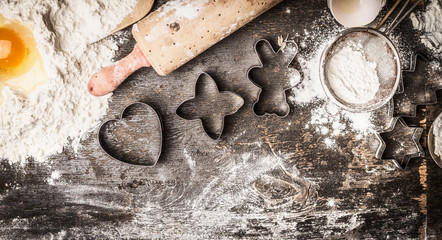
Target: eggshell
(360,13)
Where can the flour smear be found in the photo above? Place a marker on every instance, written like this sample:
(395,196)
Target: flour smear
(185,9)
(437,132)
(429,22)
(61,112)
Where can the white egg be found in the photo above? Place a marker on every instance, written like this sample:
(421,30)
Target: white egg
(355,13)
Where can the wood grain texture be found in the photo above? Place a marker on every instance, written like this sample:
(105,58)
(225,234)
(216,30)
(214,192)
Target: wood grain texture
(181,30)
(141,9)
(266,178)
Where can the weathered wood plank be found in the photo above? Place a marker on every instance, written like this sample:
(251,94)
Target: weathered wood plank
(266,178)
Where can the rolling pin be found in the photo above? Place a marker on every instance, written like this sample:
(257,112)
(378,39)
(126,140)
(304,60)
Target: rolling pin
(176,33)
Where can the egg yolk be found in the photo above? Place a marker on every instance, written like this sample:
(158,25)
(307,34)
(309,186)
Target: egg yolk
(5,48)
(12,49)
(21,65)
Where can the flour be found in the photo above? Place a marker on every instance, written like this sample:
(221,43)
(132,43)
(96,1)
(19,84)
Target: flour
(310,88)
(333,122)
(351,76)
(54,176)
(330,143)
(62,111)
(430,23)
(326,118)
(173,11)
(294,76)
(437,131)
(188,9)
(78,23)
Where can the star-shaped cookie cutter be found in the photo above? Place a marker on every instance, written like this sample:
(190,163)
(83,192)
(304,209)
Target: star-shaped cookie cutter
(401,155)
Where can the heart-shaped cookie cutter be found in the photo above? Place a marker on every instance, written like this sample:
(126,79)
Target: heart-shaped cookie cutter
(118,154)
(276,69)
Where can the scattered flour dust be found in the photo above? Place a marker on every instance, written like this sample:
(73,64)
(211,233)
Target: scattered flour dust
(331,122)
(327,119)
(310,88)
(187,9)
(430,23)
(54,176)
(351,76)
(183,9)
(41,124)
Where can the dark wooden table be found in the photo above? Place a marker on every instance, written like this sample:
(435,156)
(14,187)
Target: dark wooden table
(266,178)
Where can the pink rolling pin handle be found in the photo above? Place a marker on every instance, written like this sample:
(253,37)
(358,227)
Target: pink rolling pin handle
(109,78)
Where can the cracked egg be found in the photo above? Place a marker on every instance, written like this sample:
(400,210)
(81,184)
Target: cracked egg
(21,65)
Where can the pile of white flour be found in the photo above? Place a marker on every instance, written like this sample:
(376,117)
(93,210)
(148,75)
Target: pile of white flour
(41,124)
(437,131)
(327,119)
(430,23)
(351,76)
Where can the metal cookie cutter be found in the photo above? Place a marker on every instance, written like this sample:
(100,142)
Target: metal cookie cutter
(135,137)
(273,77)
(210,106)
(418,87)
(402,143)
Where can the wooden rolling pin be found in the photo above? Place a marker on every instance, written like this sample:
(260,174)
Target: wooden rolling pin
(176,33)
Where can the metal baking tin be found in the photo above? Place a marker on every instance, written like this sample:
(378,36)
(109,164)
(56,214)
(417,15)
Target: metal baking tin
(101,134)
(278,68)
